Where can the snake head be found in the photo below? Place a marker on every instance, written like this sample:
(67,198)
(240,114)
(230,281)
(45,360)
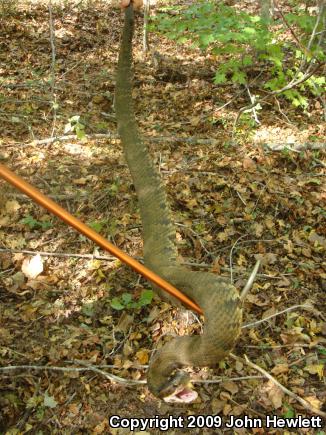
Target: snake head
(176,389)
(179,389)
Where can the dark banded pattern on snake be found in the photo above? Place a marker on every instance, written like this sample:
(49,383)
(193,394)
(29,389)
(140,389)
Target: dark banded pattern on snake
(215,295)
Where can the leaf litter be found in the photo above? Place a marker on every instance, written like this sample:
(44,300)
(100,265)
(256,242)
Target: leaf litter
(56,310)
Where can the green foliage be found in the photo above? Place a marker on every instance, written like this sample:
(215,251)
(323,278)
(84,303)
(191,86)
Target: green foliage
(241,41)
(127,301)
(75,125)
(97,225)
(104,225)
(322,351)
(35,224)
(289,411)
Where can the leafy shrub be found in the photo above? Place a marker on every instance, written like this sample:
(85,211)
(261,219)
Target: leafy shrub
(246,41)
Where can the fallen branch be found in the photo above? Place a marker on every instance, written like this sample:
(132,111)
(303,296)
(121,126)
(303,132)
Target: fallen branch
(193,140)
(223,379)
(295,147)
(294,396)
(88,367)
(250,281)
(250,325)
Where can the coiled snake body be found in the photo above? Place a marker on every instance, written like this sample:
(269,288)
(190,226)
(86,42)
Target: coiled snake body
(218,299)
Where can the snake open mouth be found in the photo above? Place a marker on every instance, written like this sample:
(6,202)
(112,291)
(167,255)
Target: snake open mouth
(183,394)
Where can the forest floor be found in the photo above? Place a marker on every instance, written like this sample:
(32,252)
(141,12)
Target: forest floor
(232,204)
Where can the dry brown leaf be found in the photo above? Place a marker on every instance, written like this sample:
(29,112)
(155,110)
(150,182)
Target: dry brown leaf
(314,401)
(217,405)
(142,356)
(230,386)
(101,427)
(315,369)
(258,229)
(280,368)
(268,258)
(12,206)
(275,394)
(125,321)
(227,409)
(316,239)
(248,164)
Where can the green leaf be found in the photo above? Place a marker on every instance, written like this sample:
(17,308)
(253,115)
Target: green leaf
(289,413)
(219,78)
(96,225)
(34,401)
(116,304)
(74,119)
(206,39)
(88,309)
(239,77)
(80,132)
(146,297)
(30,221)
(126,298)
(49,401)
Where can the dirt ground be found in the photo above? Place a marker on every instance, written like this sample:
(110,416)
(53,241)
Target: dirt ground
(235,203)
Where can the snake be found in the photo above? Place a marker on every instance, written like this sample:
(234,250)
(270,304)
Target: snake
(167,375)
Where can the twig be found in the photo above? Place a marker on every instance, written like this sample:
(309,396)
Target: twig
(59,254)
(281,346)
(241,199)
(89,367)
(295,147)
(253,110)
(53,63)
(219,380)
(282,113)
(250,281)
(314,31)
(111,258)
(193,140)
(294,396)
(231,254)
(145,28)
(302,47)
(249,325)
(115,378)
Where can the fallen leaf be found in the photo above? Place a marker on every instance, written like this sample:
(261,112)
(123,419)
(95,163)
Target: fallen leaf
(314,401)
(280,368)
(230,386)
(142,356)
(275,394)
(217,405)
(12,206)
(248,164)
(316,239)
(32,267)
(258,229)
(315,369)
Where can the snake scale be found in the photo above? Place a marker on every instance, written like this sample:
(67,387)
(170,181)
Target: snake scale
(218,299)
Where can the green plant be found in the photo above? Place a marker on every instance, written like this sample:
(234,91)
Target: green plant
(74,125)
(127,300)
(241,41)
(34,224)
(288,411)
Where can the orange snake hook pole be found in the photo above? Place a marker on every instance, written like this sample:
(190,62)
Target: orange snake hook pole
(61,213)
